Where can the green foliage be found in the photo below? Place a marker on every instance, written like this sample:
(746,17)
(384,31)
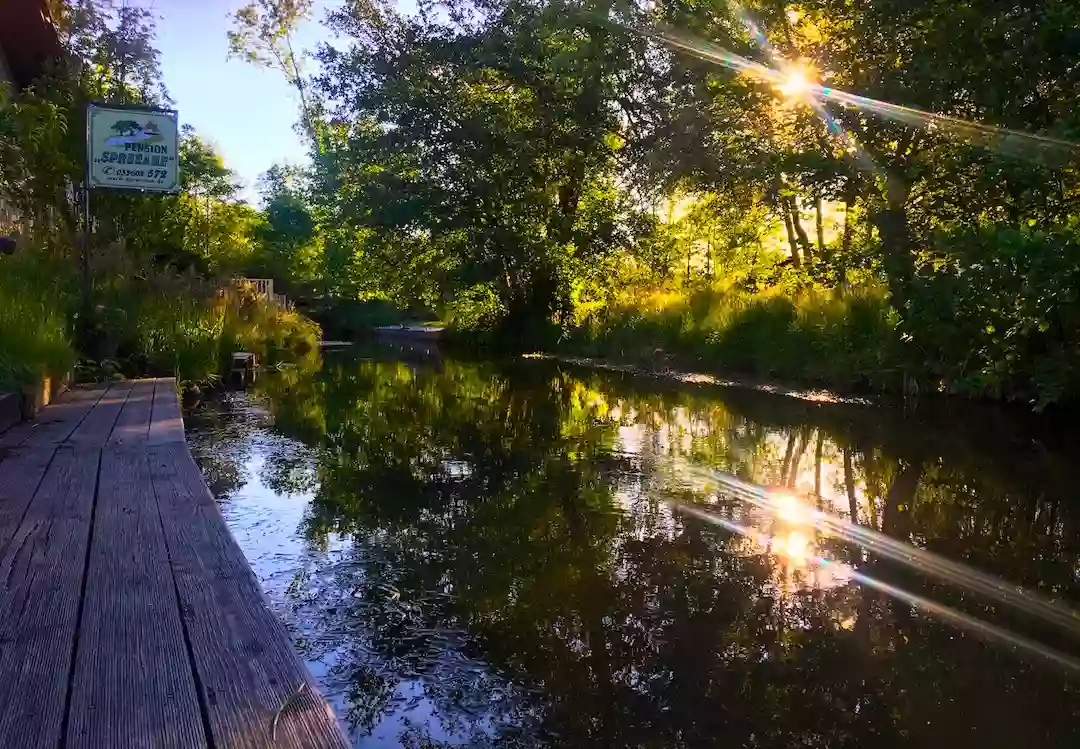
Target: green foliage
(477,157)
(347,319)
(999,315)
(161,298)
(475,310)
(34,336)
(273,333)
(177,335)
(824,338)
(189,328)
(517,167)
(287,247)
(262,34)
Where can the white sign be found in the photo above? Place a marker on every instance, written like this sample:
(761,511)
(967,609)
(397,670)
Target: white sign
(133,148)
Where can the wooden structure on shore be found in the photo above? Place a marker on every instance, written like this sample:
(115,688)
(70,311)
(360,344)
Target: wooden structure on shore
(265,287)
(129,617)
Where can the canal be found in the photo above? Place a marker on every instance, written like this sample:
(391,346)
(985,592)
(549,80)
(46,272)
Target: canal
(527,554)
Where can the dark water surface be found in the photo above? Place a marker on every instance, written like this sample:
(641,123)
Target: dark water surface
(499,555)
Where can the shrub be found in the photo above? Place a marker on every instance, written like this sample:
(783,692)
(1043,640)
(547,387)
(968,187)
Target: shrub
(194,337)
(144,321)
(998,314)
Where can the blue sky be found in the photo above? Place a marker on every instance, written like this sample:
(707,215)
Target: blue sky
(247,112)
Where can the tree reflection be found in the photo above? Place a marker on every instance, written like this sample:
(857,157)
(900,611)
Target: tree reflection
(510,562)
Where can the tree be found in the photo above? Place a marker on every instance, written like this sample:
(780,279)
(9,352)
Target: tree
(507,163)
(489,138)
(286,238)
(262,34)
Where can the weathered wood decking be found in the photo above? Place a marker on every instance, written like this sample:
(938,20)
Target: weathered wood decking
(128,615)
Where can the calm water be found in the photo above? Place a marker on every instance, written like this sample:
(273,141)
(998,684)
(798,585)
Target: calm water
(501,555)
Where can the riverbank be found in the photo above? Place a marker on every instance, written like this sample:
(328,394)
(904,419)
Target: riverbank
(845,340)
(155,322)
(660,369)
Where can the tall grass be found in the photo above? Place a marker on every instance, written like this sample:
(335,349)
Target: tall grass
(34,341)
(144,320)
(178,335)
(34,336)
(253,324)
(193,335)
(822,337)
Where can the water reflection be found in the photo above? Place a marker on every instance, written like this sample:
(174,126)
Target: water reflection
(501,556)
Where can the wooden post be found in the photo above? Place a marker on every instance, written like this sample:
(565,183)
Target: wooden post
(85,249)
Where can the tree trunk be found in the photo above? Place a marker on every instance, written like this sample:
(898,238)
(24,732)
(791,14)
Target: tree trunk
(849,485)
(817,466)
(850,196)
(796,260)
(800,232)
(819,224)
(896,244)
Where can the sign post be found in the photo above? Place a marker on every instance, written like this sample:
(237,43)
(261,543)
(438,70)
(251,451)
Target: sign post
(132,148)
(127,148)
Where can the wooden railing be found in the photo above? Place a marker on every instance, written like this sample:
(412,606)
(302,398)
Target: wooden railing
(265,287)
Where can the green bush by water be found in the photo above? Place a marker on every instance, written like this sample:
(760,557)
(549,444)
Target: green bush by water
(353,318)
(274,333)
(33,340)
(995,314)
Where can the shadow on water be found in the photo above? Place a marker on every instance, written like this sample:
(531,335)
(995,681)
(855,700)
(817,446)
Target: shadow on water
(489,555)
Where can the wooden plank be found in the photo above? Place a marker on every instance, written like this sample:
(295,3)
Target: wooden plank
(41,574)
(133,683)
(98,424)
(134,422)
(58,420)
(21,470)
(256,690)
(166,423)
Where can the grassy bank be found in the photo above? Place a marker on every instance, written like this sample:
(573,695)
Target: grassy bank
(154,321)
(192,336)
(981,338)
(843,341)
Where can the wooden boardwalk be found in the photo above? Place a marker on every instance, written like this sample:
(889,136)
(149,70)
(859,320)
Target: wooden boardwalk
(128,615)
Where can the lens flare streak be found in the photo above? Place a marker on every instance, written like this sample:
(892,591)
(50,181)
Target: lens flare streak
(959,619)
(925,562)
(1012,141)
